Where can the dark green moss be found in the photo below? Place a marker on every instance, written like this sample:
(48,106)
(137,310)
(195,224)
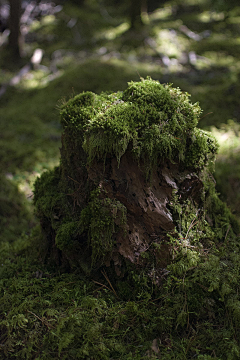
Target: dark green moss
(102,226)
(15,212)
(66,234)
(49,200)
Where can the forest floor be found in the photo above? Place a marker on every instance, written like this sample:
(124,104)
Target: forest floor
(192,46)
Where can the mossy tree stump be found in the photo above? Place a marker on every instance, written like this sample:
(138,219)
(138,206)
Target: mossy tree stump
(134,180)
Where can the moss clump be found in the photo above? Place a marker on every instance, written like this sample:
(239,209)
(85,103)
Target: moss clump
(157,120)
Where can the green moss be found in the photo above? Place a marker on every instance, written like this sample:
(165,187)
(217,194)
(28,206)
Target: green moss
(99,219)
(50,203)
(78,110)
(190,307)
(15,212)
(66,234)
(158,121)
(194,314)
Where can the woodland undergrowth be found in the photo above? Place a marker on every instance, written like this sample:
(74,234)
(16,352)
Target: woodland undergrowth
(190,309)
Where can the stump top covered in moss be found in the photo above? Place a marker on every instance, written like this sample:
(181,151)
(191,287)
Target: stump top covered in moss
(156,121)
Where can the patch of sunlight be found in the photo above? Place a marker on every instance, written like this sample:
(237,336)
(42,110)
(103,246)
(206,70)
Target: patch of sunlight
(174,67)
(195,2)
(112,33)
(145,17)
(220,59)
(39,24)
(208,16)
(25,179)
(161,14)
(35,25)
(228,137)
(48,19)
(37,79)
(202,63)
(170,43)
(235,11)
(234,20)
(66,59)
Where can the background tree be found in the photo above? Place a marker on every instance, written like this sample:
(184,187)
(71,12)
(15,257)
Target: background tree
(135,14)
(14,26)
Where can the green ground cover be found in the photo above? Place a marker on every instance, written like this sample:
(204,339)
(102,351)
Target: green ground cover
(49,315)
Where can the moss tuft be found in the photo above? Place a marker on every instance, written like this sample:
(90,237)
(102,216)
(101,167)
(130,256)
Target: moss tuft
(157,120)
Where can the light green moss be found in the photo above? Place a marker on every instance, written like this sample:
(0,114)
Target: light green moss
(157,120)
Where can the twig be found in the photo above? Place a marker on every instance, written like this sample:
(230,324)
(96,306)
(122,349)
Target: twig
(102,285)
(35,315)
(74,180)
(211,112)
(106,277)
(192,225)
(227,232)
(45,322)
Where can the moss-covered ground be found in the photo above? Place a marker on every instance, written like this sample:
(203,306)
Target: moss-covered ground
(46,314)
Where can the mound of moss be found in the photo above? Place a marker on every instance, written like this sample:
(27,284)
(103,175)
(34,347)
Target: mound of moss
(132,213)
(158,120)
(122,157)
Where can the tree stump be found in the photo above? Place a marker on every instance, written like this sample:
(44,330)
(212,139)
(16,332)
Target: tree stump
(133,181)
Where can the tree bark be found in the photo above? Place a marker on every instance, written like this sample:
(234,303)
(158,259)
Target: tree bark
(14,25)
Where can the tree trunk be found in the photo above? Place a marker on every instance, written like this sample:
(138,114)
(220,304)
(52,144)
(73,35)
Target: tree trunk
(135,14)
(14,25)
